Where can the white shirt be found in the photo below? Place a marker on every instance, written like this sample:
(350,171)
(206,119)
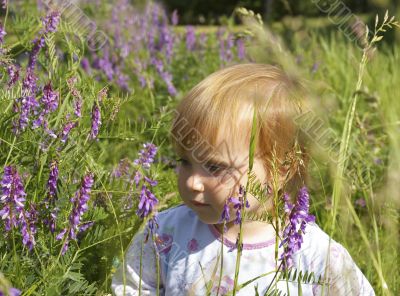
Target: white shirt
(189,262)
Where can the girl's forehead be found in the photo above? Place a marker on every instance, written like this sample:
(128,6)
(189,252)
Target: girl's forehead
(228,150)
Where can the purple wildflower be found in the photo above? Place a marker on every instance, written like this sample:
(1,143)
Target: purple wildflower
(142,81)
(2,33)
(241,52)
(315,67)
(238,205)
(53,177)
(11,291)
(50,22)
(190,38)
(49,131)
(28,228)
(24,106)
(225,216)
(12,198)
(288,205)
(51,220)
(96,121)
(66,130)
(78,107)
(360,202)
(48,102)
(4,5)
(13,74)
(121,79)
(122,169)
(49,99)
(102,94)
(203,38)
(229,45)
(146,155)
(137,178)
(174,17)
(168,41)
(151,182)
(165,75)
(29,83)
(146,203)
(85,64)
(38,44)
(298,218)
(104,63)
(152,223)
(80,206)
(85,226)
(220,36)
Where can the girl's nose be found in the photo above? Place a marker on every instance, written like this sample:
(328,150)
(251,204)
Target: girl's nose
(195,183)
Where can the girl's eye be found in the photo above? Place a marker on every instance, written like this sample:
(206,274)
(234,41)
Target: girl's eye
(214,169)
(183,162)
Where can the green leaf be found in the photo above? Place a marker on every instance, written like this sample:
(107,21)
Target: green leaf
(252,140)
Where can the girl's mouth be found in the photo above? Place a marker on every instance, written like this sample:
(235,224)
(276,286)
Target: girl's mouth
(199,204)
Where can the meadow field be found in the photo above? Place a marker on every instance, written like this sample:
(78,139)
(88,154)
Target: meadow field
(88,90)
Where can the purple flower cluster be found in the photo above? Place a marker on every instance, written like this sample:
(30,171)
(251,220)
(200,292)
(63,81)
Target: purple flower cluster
(122,169)
(147,201)
(174,18)
(28,228)
(190,38)
(241,51)
(13,74)
(165,75)
(66,130)
(79,207)
(50,220)
(152,32)
(2,33)
(12,211)
(53,177)
(50,22)
(225,216)
(96,121)
(27,104)
(238,205)
(12,198)
(298,217)
(48,104)
(11,291)
(225,46)
(24,107)
(146,155)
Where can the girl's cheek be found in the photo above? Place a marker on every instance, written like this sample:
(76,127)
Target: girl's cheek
(230,177)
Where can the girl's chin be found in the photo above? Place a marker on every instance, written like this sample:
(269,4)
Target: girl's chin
(207,219)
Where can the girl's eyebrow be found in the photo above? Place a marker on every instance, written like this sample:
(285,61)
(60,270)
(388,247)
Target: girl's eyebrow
(217,161)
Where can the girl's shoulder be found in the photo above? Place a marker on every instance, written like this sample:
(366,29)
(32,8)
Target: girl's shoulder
(320,250)
(316,241)
(178,219)
(331,260)
(175,214)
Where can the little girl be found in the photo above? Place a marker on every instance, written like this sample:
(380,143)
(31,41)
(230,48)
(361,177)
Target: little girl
(195,245)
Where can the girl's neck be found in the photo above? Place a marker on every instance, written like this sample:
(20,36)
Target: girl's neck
(252,231)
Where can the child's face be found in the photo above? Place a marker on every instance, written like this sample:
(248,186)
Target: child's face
(205,186)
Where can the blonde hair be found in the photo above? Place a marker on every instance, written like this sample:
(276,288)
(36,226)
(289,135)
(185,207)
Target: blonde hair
(226,100)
